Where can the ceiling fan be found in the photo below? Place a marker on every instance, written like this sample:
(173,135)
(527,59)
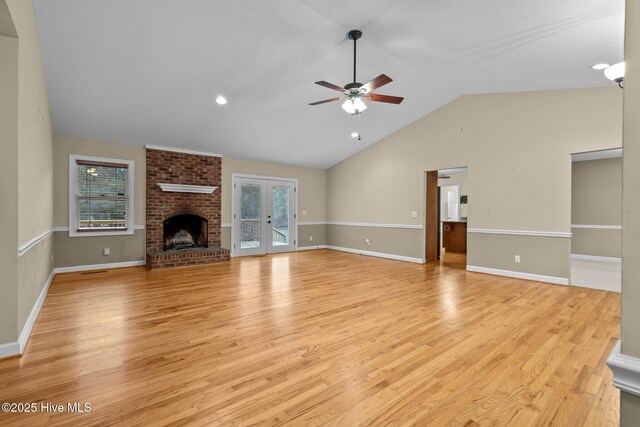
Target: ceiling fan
(354,93)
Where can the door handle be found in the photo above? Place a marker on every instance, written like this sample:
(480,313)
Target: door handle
(268,222)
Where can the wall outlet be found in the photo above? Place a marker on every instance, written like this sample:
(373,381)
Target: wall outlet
(516,258)
(37,279)
(304,212)
(367,241)
(414,214)
(311,238)
(51,256)
(106,251)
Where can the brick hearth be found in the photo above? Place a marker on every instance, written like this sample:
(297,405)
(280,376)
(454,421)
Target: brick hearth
(182,168)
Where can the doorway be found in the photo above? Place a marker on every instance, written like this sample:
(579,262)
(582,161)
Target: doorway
(596,220)
(446,215)
(263,215)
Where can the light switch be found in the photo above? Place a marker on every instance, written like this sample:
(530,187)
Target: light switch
(304,213)
(414,214)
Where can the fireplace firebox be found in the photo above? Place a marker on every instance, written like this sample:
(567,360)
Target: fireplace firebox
(184,232)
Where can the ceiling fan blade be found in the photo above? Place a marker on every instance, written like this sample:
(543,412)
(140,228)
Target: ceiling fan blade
(330,86)
(326,100)
(379,81)
(385,98)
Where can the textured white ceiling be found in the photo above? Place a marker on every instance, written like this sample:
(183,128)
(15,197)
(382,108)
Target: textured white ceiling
(148,71)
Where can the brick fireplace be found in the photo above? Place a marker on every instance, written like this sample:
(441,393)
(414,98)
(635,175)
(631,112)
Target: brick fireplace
(183,220)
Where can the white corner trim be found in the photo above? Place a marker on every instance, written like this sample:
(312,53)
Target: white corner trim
(99,266)
(183,188)
(225,224)
(310,248)
(596,258)
(9,349)
(370,224)
(33,316)
(376,254)
(519,232)
(599,227)
(519,275)
(626,370)
(31,243)
(181,150)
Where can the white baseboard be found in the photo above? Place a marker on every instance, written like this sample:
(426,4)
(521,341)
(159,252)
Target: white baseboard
(626,370)
(596,258)
(99,266)
(9,349)
(310,248)
(376,254)
(31,320)
(16,348)
(520,275)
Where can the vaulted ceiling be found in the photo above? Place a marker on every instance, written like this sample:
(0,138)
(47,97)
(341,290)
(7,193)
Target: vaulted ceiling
(148,71)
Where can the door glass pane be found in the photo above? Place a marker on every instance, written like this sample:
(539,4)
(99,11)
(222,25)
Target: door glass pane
(280,215)
(250,216)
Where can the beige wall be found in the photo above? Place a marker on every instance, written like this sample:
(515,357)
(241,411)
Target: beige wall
(596,192)
(8,182)
(311,186)
(405,242)
(34,269)
(74,251)
(26,167)
(64,146)
(596,199)
(35,183)
(517,149)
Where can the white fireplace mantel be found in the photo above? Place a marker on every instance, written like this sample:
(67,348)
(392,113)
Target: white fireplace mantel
(182,188)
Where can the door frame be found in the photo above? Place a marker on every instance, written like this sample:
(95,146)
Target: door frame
(235,175)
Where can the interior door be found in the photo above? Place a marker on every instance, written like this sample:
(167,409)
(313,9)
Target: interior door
(281,216)
(263,216)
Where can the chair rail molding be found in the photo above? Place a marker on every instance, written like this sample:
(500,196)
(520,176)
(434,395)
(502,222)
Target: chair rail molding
(33,242)
(375,225)
(597,227)
(520,232)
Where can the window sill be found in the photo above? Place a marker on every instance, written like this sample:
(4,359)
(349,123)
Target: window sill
(74,233)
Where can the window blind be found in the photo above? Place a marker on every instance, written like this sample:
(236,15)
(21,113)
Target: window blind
(101,196)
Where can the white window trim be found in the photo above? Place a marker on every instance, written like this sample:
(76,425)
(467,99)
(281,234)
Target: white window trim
(73,158)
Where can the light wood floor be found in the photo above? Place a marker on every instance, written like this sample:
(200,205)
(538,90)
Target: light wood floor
(317,337)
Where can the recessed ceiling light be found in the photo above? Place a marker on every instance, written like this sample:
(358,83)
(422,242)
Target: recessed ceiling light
(355,134)
(601,66)
(221,100)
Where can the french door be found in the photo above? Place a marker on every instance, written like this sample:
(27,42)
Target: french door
(264,218)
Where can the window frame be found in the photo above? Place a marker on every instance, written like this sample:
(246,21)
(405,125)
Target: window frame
(73,191)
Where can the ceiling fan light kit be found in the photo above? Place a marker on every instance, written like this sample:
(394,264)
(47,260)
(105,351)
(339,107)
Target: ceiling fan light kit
(354,93)
(615,73)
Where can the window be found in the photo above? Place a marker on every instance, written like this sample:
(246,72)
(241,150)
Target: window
(100,196)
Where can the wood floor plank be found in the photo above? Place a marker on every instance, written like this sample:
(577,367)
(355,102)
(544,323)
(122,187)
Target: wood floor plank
(317,338)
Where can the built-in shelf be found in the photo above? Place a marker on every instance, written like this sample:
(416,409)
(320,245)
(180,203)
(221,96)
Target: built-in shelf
(182,188)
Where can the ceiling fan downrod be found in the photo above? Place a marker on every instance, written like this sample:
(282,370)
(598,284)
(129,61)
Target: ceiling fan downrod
(354,35)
